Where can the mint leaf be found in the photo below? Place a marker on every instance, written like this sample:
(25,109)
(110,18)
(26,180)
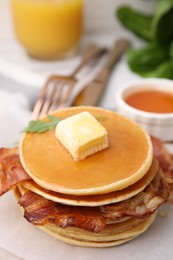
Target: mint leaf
(41,126)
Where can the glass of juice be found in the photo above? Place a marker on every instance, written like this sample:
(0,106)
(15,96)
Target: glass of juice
(48,29)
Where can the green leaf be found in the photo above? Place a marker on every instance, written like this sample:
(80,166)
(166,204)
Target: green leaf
(40,126)
(171,50)
(100,118)
(164,70)
(163,22)
(147,59)
(137,22)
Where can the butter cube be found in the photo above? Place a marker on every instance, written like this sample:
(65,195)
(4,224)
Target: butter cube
(82,135)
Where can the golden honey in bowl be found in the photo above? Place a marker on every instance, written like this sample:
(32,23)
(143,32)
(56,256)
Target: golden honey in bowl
(48,29)
(149,100)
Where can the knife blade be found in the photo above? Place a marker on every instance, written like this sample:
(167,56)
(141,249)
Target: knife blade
(91,94)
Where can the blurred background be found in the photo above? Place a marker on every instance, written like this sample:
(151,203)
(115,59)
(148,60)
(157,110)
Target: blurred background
(18,71)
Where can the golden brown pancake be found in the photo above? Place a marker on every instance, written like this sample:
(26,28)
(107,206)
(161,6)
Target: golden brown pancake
(78,242)
(97,240)
(95,200)
(126,161)
(109,233)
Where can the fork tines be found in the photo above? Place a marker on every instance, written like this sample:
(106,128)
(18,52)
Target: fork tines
(53,95)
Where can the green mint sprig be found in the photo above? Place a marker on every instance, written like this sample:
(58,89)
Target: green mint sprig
(39,126)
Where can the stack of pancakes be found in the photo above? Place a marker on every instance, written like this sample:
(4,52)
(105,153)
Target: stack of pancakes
(93,185)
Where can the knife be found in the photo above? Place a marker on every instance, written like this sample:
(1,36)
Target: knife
(93,91)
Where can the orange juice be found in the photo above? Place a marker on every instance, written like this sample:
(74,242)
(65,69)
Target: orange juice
(48,29)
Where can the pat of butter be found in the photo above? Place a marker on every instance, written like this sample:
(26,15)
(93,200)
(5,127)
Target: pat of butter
(82,135)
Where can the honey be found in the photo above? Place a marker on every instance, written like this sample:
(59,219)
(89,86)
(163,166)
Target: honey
(154,101)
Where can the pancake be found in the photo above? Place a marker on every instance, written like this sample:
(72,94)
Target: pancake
(109,233)
(77,242)
(95,200)
(91,241)
(125,162)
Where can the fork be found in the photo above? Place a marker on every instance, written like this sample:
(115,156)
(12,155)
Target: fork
(57,89)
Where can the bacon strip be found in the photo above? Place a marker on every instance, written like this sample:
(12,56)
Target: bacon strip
(148,201)
(11,170)
(40,211)
(143,204)
(164,157)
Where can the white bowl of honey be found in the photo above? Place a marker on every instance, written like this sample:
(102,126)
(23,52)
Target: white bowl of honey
(149,103)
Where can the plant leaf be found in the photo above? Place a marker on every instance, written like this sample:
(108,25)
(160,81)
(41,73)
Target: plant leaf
(41,126)
(100,118)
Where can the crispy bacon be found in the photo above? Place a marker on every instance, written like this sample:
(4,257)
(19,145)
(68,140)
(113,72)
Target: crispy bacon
(164,157)
(148,201)
(143,204)
(11,170)
(40,211)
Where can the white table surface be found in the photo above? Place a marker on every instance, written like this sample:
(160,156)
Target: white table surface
(18,238)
